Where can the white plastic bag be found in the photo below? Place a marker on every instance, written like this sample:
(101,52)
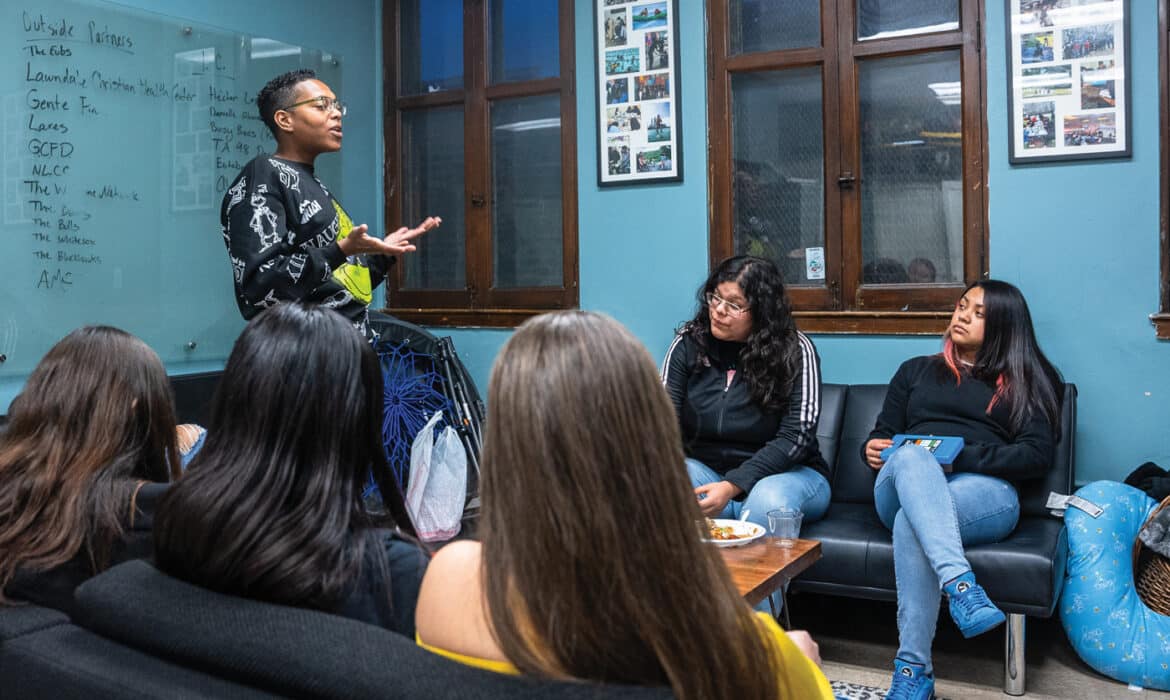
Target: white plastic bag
(438,482)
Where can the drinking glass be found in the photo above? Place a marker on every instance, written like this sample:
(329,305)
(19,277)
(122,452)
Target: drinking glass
(784,525)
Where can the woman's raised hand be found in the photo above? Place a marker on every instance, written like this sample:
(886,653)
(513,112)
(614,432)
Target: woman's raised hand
(359,241)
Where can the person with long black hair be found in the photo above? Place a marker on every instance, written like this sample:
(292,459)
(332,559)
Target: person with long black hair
(271,507)
(992,386)
(746,387)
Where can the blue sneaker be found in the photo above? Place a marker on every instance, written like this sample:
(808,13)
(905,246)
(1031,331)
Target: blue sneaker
(910,682)
(971,609)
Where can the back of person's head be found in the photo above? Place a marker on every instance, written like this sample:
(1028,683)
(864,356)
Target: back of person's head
(771,360)
(95,416)
(271,506)
(921,271)
(278,93)
(1011,355)
(593,566)
(884,271)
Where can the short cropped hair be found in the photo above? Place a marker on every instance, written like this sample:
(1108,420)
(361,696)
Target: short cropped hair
(278,93)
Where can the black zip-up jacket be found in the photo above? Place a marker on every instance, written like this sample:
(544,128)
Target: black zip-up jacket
(925,399)
(725,429)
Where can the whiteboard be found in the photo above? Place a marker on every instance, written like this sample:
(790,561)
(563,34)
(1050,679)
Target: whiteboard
(121,131)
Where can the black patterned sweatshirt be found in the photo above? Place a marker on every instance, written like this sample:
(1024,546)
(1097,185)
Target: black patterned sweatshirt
(281,227)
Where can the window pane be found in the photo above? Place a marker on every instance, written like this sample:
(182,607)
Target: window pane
(912,169)
(877,19)
(525,40)
(526,185)
(432,45)
(778,170)
(767,25)
(432,168)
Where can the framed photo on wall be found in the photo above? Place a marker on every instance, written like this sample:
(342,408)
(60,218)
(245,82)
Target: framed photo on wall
(639,128)
(1068,79)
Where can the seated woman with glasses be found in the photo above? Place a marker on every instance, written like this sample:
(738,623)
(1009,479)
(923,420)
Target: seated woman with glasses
(90,445)
(746,387)
(578,574)
(271,507)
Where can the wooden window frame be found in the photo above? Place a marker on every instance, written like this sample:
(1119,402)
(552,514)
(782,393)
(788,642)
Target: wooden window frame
(844,305)
(479,304)
(1161,320)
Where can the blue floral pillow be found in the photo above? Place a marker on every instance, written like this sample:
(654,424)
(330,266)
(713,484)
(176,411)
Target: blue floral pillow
(1106,622)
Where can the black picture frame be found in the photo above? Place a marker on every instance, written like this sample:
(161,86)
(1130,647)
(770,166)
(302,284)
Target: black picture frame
(636,93)
(1068,80)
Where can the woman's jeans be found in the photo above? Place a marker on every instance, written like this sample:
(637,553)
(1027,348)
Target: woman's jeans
(801,487)
(933,515)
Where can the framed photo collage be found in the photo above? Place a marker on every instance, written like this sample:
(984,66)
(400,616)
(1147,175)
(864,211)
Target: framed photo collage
(1068,79)
(639,126)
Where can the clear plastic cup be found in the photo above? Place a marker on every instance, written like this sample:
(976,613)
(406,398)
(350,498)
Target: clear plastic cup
(784,525)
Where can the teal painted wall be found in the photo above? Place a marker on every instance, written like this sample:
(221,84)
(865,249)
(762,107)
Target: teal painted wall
(1080,239)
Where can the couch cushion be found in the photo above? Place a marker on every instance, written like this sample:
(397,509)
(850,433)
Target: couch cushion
(292,651)
(852,477)
(63,660)
(833,397)
(24,619)
(1034,492)
(1022,574)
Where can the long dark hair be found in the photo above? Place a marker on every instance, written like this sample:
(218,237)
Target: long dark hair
(1010,356)
(95,417)
(575,583)
(771,360)
(271,507)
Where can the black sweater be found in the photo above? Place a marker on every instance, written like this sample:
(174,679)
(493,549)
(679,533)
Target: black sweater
(281,227)
(54,588)
(725,429)
(924,398)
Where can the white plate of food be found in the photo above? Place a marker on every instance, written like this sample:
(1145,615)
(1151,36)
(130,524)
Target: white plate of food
(732,533)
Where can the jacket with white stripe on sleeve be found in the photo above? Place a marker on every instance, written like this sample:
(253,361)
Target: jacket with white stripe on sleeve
(725,429)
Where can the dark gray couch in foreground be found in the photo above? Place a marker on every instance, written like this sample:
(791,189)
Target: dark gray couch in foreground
(141,634)
(1023,574)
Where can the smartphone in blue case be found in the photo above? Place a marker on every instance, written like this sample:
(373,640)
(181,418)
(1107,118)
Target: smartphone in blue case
(944,448)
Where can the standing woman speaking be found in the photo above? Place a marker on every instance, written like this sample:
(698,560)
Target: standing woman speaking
(746,387)
(993,387)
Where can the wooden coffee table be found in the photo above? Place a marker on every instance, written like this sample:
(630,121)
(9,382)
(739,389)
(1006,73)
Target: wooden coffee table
(761,568)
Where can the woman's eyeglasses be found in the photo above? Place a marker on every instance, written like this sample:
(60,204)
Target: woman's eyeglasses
(322,103)
(714,300)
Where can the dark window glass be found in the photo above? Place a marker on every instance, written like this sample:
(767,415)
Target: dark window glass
(432,45)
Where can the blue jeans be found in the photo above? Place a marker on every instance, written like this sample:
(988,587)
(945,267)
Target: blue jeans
(186,457)
(801,487)
(933,515)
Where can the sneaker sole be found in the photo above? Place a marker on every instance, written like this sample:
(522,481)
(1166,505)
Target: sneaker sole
(985,627)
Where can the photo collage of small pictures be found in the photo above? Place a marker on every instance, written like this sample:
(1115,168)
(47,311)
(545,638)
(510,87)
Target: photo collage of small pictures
(637,85)
(1068,78)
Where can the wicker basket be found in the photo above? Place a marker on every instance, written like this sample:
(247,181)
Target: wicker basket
(1152,572)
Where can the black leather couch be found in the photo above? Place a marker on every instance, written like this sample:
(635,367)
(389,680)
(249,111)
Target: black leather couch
(1023,574)
(141,634)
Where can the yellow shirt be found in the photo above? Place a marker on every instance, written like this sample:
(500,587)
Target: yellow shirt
(504,667)
(801,677)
